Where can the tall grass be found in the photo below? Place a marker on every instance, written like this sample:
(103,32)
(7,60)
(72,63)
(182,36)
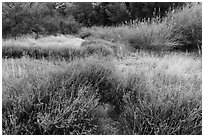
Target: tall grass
(187,26)
(61,102)
(181,29)
(163,95)
(51,47)
(139,95)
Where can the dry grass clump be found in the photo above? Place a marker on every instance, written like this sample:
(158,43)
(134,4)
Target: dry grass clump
(63,101)
(56,47)
(51,86)
(163,95)
(47,47)
(100,46)
(187,27)
(163,105)
(181,29)
(142,94)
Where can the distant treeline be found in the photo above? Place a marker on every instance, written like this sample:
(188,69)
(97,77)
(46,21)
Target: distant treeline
(59,17)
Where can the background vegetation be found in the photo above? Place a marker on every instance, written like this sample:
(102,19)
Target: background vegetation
(66,18)
(137,70)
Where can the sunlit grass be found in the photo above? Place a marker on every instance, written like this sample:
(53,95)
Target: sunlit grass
(110,83)
(181,29)
(57,47)
(139,91)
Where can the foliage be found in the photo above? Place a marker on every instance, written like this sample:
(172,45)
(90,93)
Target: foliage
(84,13)
(108,83)
(163,103)
(147,95)
(181,30)
(186,25)
(67,18)
(57,47)
(38,18)
(63,102)
(140,10)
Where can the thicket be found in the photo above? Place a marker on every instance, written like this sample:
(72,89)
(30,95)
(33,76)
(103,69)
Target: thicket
(143,94)
(97,95)
(67,18)
(58,47)
(63,102)
(35,18)
(180,29)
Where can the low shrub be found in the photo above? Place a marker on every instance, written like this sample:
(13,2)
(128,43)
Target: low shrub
(63,102)
(58,48)
(186,25)
(96,95)
(152,37)
(113,34)
(38,52)
(162,104)
(99,46)
(181,29)
(27,18)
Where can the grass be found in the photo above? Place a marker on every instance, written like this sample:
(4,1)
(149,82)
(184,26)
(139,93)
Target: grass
(53,47)
(58,85)
(142,94)
(58,102)
(187,28)
(179,30)
(164,95)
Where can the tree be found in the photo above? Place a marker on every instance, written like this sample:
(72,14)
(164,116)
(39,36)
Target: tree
(13,15)
(38,17)
(117,12)
(141,10)
(84,13)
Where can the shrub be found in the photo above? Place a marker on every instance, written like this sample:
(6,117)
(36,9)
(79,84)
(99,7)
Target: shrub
(57,47)
(181,29)
(162,104)
(112,34)
(42,110)
(38,52)
(99,46)
(153,37)
(186,25)
(40,18)
(63,102)
(144,94)
(99,74)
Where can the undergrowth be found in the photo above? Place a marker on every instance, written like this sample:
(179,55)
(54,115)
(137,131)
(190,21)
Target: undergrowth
(62,102)
(181,29)
(53,85)
(142,96)
(58,47)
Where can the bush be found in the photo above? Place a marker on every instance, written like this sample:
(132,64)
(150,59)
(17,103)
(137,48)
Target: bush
(99,46)
(39,18)
(162,104)
(144,94)
(63,102)
(186,25)
(42,110)
(99,74)
(181,29)
(55,47)
(39,52)
(152,37)
(59,25)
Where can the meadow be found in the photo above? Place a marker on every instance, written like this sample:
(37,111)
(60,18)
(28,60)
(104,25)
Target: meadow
(138,78)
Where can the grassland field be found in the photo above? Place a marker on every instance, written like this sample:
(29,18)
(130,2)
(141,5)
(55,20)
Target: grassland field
(133,79)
